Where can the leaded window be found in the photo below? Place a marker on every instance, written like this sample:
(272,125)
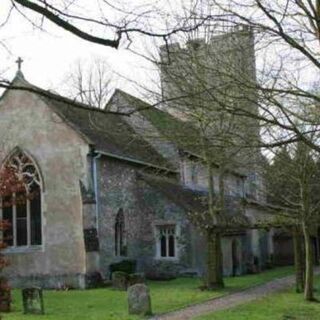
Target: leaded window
(22,209)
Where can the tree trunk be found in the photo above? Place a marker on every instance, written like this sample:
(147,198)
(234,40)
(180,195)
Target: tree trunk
(299,260)
(214,278)
(308,287)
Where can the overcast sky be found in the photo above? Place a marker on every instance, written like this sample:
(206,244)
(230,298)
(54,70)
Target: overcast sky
(51,54)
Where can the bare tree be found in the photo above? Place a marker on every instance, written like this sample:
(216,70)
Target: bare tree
(89,83)
(287,48)
(293,184)
(108,25)
(194,88)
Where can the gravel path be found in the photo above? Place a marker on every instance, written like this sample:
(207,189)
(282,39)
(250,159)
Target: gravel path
(230,300)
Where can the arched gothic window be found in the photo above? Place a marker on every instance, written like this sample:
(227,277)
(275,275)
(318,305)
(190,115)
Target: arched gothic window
(119,233)
(22,209)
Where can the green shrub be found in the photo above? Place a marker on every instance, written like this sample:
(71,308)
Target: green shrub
(127,266)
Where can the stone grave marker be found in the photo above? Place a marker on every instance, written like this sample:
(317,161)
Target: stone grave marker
(32,301)
(120,280)
(139,301)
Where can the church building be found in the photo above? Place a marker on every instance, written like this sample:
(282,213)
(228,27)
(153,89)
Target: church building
(111,187)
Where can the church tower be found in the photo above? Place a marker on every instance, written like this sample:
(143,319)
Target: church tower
(212,83)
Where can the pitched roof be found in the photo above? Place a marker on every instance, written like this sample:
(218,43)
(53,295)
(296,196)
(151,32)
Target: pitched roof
(106,131)
(195,201)
(188,199)
(110,133)
(181,133)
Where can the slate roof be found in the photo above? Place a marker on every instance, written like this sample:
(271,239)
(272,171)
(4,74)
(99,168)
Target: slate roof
(182,133)
(107,132)
(188,199)
(194,201)
(110,133)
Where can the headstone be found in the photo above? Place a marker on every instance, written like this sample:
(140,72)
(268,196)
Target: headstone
(5,295)
(135,278)
(32,301)
(120,280)
(139,301)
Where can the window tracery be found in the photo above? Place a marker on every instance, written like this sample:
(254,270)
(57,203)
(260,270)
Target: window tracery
(22,208)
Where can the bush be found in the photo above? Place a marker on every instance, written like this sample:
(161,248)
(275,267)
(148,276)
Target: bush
(94,280)
(127,266)
(5,295)
(162,271)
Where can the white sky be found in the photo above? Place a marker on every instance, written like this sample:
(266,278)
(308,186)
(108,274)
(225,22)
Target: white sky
(48,56)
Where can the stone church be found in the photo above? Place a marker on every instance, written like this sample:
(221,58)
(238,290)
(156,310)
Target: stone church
(110,188)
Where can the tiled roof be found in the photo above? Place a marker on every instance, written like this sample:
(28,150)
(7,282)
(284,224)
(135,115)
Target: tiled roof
(107,132)
(181,133)
(188,199)
(195,201)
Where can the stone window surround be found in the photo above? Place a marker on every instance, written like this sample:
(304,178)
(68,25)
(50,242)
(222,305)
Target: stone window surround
(29,247)
(25,248)
(163,223)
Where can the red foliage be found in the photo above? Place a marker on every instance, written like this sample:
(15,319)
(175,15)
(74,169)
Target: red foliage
(5,295)
(10,182)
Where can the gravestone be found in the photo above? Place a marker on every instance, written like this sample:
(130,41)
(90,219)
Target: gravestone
(139,301)
(32,301)
(119,280)
(135,278)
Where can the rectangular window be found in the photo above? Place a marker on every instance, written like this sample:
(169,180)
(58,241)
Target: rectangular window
(166,241)
(35,220)
(23,213)
(194,174)
(21,219)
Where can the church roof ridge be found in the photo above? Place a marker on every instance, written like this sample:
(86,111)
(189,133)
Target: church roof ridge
(60,98)
(105,130)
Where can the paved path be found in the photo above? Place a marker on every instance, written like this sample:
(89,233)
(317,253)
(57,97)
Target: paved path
(230,300)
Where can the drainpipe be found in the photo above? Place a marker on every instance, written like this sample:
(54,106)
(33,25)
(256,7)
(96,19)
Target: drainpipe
(94,157)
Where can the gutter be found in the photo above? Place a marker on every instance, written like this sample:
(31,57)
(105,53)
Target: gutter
(184,152)
(148,164)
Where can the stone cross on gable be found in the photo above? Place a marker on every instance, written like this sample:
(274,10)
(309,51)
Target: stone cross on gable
(19,63)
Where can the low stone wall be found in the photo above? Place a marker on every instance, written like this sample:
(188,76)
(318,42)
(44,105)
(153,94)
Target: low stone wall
(63,282)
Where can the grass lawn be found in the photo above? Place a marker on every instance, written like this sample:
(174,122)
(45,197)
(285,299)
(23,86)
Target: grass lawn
(109,304)
(286,305)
